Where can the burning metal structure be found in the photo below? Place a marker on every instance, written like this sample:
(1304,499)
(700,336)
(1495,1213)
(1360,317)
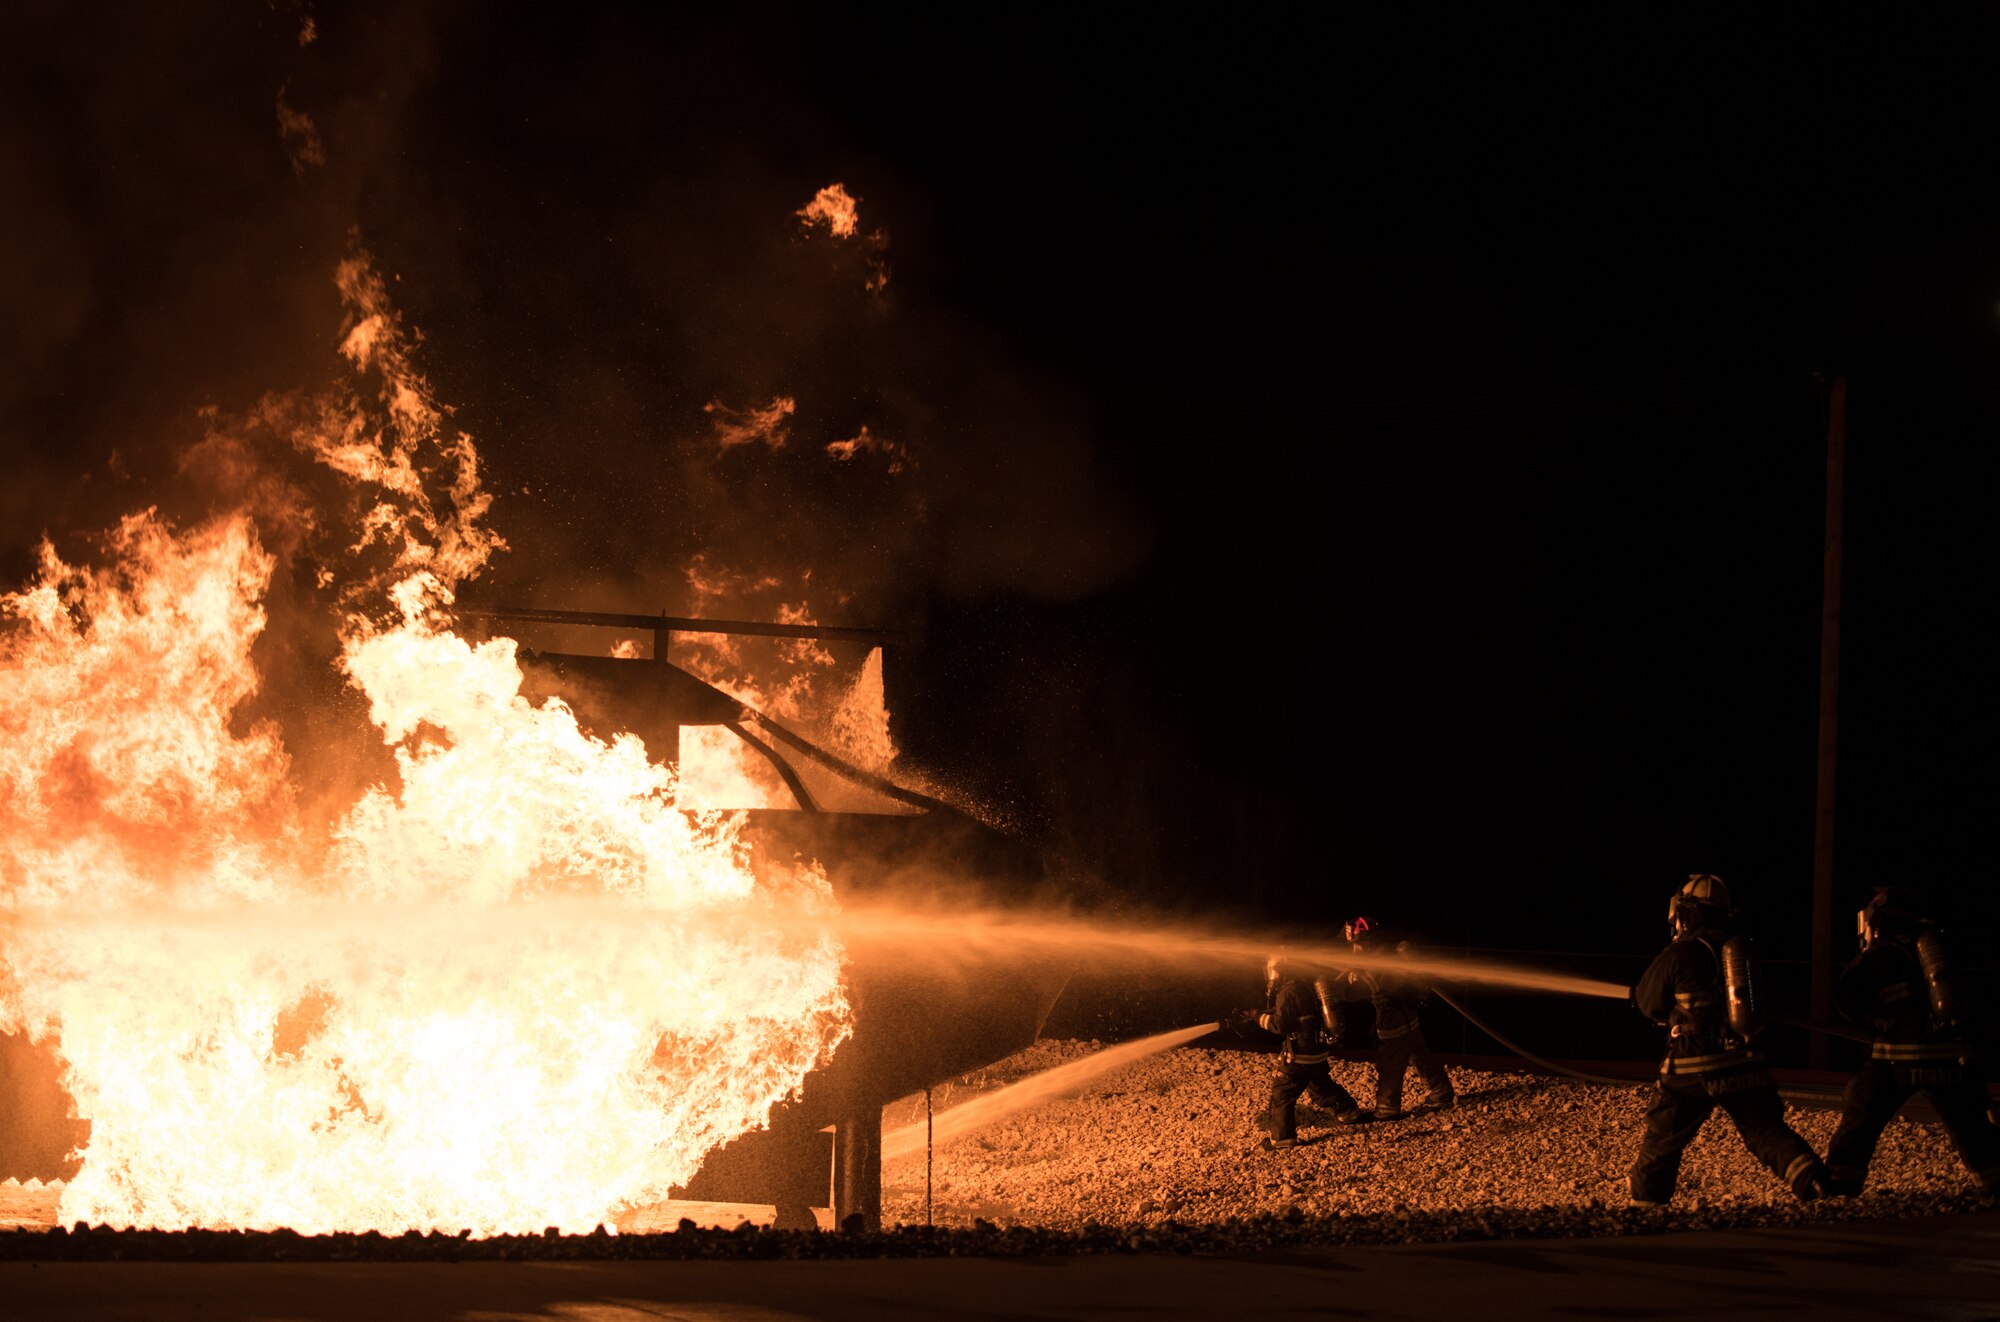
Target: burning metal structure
(910,1026)
(915,1023)
(477,960)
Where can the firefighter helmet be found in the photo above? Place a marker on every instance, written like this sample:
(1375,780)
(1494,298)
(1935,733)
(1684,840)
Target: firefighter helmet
(1277,967)
(1702,901)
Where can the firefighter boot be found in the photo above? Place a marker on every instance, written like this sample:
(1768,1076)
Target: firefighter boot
(1810,1183)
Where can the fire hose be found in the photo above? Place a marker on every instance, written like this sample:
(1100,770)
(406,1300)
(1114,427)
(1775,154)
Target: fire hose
(1522,1051)
(1795,1021)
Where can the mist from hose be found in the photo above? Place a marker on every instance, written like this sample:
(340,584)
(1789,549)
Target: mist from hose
(931,934)
(1033,1091)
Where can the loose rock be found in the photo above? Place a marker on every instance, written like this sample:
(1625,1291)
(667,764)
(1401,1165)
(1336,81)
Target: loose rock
(1519,1148)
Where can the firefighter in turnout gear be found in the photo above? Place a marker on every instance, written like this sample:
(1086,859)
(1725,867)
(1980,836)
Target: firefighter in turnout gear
(1399,1031)
(1297,1010)
(1900,986)
(1700,987)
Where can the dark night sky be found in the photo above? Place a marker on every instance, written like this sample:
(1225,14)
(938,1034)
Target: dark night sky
(1365,462)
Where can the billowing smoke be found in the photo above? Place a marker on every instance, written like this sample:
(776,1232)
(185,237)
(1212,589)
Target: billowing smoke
(668,318)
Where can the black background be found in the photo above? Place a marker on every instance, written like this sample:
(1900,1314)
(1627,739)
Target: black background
(1366,463)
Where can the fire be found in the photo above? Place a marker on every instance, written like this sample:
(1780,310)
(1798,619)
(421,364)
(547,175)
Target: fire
(838,212)
(834,208)
(718,769)
(767,425)
(511,986)
(119,774)
(798,682)
(894,454)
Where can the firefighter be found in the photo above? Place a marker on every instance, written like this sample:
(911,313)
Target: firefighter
(1700,988)
(1399,1031)
(1900,985)
(1298,1011)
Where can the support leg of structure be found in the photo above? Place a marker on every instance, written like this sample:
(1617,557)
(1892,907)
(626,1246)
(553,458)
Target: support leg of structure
(857,1168)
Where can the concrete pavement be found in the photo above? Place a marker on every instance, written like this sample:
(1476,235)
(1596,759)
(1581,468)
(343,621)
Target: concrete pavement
(1942,1268)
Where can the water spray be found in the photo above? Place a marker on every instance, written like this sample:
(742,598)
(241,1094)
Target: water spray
(933,935)
(1032,1091)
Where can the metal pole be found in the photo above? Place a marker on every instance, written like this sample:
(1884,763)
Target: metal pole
(669,748)
(858,1168)
(1829,719)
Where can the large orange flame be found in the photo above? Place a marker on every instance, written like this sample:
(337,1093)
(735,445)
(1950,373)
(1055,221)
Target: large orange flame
(515,987)
(798,682)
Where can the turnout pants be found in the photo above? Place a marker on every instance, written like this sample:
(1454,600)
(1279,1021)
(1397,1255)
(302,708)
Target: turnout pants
(1393,1059)
(1684,1101)
(1875,1095)
(1294,1078)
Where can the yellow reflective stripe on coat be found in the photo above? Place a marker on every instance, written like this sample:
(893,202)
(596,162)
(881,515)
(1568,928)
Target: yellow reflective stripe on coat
(1705,1064)
(1918,1050)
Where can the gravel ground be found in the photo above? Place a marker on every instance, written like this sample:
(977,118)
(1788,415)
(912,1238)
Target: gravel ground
(1171,1138)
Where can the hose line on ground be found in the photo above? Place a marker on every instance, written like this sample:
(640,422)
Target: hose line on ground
(1796,1021)
(1523,1052)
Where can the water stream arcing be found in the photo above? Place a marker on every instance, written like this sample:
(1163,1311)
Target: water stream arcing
(934,936)
(1026,1094)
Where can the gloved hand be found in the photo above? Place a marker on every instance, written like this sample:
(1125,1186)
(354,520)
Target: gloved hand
(1238,1019)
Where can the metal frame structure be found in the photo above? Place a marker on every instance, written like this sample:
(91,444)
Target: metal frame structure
(663,627)
(857,1128)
